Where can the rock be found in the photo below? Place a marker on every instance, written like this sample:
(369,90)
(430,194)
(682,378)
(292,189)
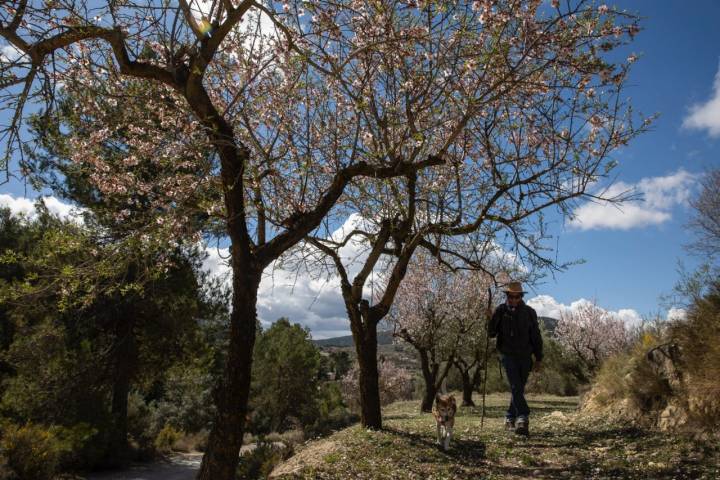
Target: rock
(557,415)
(672,417)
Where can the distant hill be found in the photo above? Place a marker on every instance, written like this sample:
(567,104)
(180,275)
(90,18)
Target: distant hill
(549,323)
(384,338)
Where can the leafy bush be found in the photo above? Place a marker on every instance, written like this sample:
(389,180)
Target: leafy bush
(286,371)
(141,429)
(166,438)
(192,442)
(633,378)
(32,451)
(558,375)
(670,376)
(698,339)
(5,472)
(185,402)
(81,444)
(259,462)
(332,414)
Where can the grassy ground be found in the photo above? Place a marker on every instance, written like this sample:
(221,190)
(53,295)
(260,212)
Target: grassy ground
(561,445)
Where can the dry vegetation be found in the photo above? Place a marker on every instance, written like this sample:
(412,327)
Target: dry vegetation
(563,444)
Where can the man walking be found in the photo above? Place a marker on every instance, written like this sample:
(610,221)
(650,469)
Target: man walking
(518,339)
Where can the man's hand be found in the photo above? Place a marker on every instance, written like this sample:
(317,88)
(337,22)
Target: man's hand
(537,368)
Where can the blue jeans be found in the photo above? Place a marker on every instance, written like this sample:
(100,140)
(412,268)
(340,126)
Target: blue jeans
(517,369)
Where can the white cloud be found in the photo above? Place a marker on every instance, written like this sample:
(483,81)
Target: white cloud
(10,53)
(316,304)
(311,301)
(675,314)
(547,306)
(21,206)
(658,196)
(706,116)
(299,295)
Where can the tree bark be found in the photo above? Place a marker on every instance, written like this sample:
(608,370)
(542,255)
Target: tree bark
(468,387)
(231,395)
(125,362)
(366,348)
(430,377)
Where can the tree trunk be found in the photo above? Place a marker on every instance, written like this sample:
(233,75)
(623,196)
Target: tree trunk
(366,348)
(125,362)
(231,395)
(430,383)
(468,387)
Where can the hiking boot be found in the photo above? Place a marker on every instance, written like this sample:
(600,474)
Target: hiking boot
(510,424)
(521,426)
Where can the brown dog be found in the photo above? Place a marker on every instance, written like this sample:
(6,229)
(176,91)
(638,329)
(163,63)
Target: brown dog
(444,413)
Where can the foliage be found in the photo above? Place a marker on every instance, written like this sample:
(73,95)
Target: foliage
(337,363)
(557,376)
(61,361)
(260,461)
(32,451)
(331,412)
(704,221)
(698,338)
(590,335)
(285,377)
(166,438)
(671,375)
(396,383)
(494,94)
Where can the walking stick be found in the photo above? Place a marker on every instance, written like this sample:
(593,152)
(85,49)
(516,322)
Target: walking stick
(487,346)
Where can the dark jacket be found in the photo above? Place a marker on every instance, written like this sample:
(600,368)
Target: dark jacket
(517,331)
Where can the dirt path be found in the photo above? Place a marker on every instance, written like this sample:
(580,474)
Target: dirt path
(178,467)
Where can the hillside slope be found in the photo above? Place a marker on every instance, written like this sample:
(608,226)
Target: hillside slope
(563,445)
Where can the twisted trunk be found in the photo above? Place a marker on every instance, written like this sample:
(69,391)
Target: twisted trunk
(366,348)
(125,363)
(468,386)
(430,377)
(231,395)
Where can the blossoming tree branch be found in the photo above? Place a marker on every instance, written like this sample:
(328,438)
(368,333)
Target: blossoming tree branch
(436,118)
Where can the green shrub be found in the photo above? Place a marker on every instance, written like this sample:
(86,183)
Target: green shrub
(331,412)
(32,451)
(192,442)
(81,445)
(166,438)
(5,472)
(698,338)
(259,462)
(141,429)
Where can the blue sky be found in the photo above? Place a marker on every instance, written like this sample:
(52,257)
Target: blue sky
(631,257)
(679,51)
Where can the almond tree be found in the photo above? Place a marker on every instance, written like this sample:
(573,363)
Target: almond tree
(438,312)
(511,99)
(470,356)
(216,87)
(592,335)
(520,104)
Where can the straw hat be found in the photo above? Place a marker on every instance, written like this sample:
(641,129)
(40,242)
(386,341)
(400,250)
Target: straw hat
(514,287)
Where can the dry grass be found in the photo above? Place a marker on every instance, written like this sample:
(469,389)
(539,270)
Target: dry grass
(563,444)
